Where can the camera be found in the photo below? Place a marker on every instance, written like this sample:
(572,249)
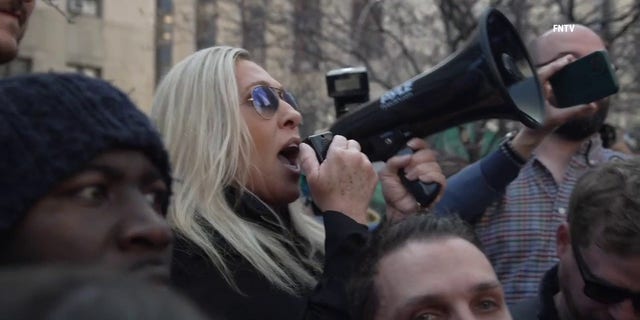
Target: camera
(347,86)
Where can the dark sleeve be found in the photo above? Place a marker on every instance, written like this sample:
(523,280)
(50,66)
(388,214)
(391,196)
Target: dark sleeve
(470,191)
(345,238)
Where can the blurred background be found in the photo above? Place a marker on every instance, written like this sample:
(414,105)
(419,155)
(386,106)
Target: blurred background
(132,43)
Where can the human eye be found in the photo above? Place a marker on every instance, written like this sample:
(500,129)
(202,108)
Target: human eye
(92,195)
(488,304)
(427,315)
(155,195)
(154,198)
(151,198)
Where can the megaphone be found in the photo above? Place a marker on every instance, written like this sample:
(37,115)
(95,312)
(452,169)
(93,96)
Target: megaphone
(491,77)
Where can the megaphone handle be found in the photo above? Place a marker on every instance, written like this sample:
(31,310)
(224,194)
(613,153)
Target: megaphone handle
(424,193)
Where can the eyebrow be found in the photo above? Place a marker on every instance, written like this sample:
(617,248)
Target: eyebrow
(106,170)
(584,267)
(262,83)
(430,298)
(116,174)
(151,176)
(486,286)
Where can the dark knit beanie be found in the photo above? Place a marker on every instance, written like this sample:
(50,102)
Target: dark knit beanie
(52,125)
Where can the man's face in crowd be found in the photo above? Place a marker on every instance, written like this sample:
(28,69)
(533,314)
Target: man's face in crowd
(14,15)
(447,278)
(579,43)
(606,269)
(110,214)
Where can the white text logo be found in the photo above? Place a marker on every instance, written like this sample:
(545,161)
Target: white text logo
(396,95)
(563,27)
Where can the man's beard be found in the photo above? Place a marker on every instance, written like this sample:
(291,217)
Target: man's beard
(581,128)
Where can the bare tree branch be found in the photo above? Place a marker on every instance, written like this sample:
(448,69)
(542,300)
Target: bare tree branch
(69,17)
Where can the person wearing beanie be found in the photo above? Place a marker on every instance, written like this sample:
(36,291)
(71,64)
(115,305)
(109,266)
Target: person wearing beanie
(85,178)
(14,15)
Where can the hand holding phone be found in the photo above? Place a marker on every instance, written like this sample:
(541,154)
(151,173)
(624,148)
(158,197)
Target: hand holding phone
(585,80)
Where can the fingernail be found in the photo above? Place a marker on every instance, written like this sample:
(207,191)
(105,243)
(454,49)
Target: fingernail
(405,157)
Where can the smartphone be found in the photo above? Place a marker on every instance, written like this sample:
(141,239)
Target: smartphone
(585,80)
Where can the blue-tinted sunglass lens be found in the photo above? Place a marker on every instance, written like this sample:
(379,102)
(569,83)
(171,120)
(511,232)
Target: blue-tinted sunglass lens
(264,101)
(290,99)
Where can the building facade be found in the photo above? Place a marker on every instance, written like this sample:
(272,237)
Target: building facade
(127,42)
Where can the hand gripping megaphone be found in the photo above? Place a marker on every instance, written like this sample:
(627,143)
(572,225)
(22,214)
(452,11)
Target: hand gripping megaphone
(490,77)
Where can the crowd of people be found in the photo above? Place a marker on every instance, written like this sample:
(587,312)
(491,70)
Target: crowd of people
(107,213)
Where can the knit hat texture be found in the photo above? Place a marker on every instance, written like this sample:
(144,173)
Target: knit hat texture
(53,124)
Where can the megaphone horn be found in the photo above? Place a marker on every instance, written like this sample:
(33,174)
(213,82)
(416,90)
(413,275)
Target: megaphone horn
(491,77)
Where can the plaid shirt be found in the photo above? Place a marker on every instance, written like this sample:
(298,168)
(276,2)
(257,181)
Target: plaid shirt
(519,232)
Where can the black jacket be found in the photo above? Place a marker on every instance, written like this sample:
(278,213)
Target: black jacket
(194,275)
(541,307)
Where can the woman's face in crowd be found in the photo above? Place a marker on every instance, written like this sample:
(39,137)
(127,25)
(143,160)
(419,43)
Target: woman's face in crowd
(110,214)
(275,170)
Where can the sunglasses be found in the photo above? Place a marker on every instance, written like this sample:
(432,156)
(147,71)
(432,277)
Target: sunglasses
(266,99)
(600,290)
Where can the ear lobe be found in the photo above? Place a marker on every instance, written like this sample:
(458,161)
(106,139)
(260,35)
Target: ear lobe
(563,239)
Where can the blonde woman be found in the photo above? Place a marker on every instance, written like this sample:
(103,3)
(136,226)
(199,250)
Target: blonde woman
(233,138)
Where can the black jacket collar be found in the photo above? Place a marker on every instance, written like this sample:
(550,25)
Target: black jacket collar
(251,208)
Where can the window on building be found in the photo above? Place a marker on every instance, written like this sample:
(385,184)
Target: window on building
(164,37)
(306,26)
(93,72)
(16,67)
(85,7)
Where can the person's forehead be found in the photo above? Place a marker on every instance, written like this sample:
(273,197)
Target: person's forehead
(249,73)
(120,157)
(435,266)
(553,45)
(123,162)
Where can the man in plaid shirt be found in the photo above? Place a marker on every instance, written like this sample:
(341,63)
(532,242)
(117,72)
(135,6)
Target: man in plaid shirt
(518,230)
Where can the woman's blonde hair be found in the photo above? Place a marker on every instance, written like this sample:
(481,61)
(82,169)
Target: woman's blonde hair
(196,108)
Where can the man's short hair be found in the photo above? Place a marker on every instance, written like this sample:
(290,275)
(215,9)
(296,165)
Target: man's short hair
(362,294)
(605,208)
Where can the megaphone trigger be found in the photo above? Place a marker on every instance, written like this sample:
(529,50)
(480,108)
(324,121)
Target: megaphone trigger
(424,193)
(320,143)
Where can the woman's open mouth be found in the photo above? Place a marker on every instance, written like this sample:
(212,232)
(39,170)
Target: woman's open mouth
(289,157)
